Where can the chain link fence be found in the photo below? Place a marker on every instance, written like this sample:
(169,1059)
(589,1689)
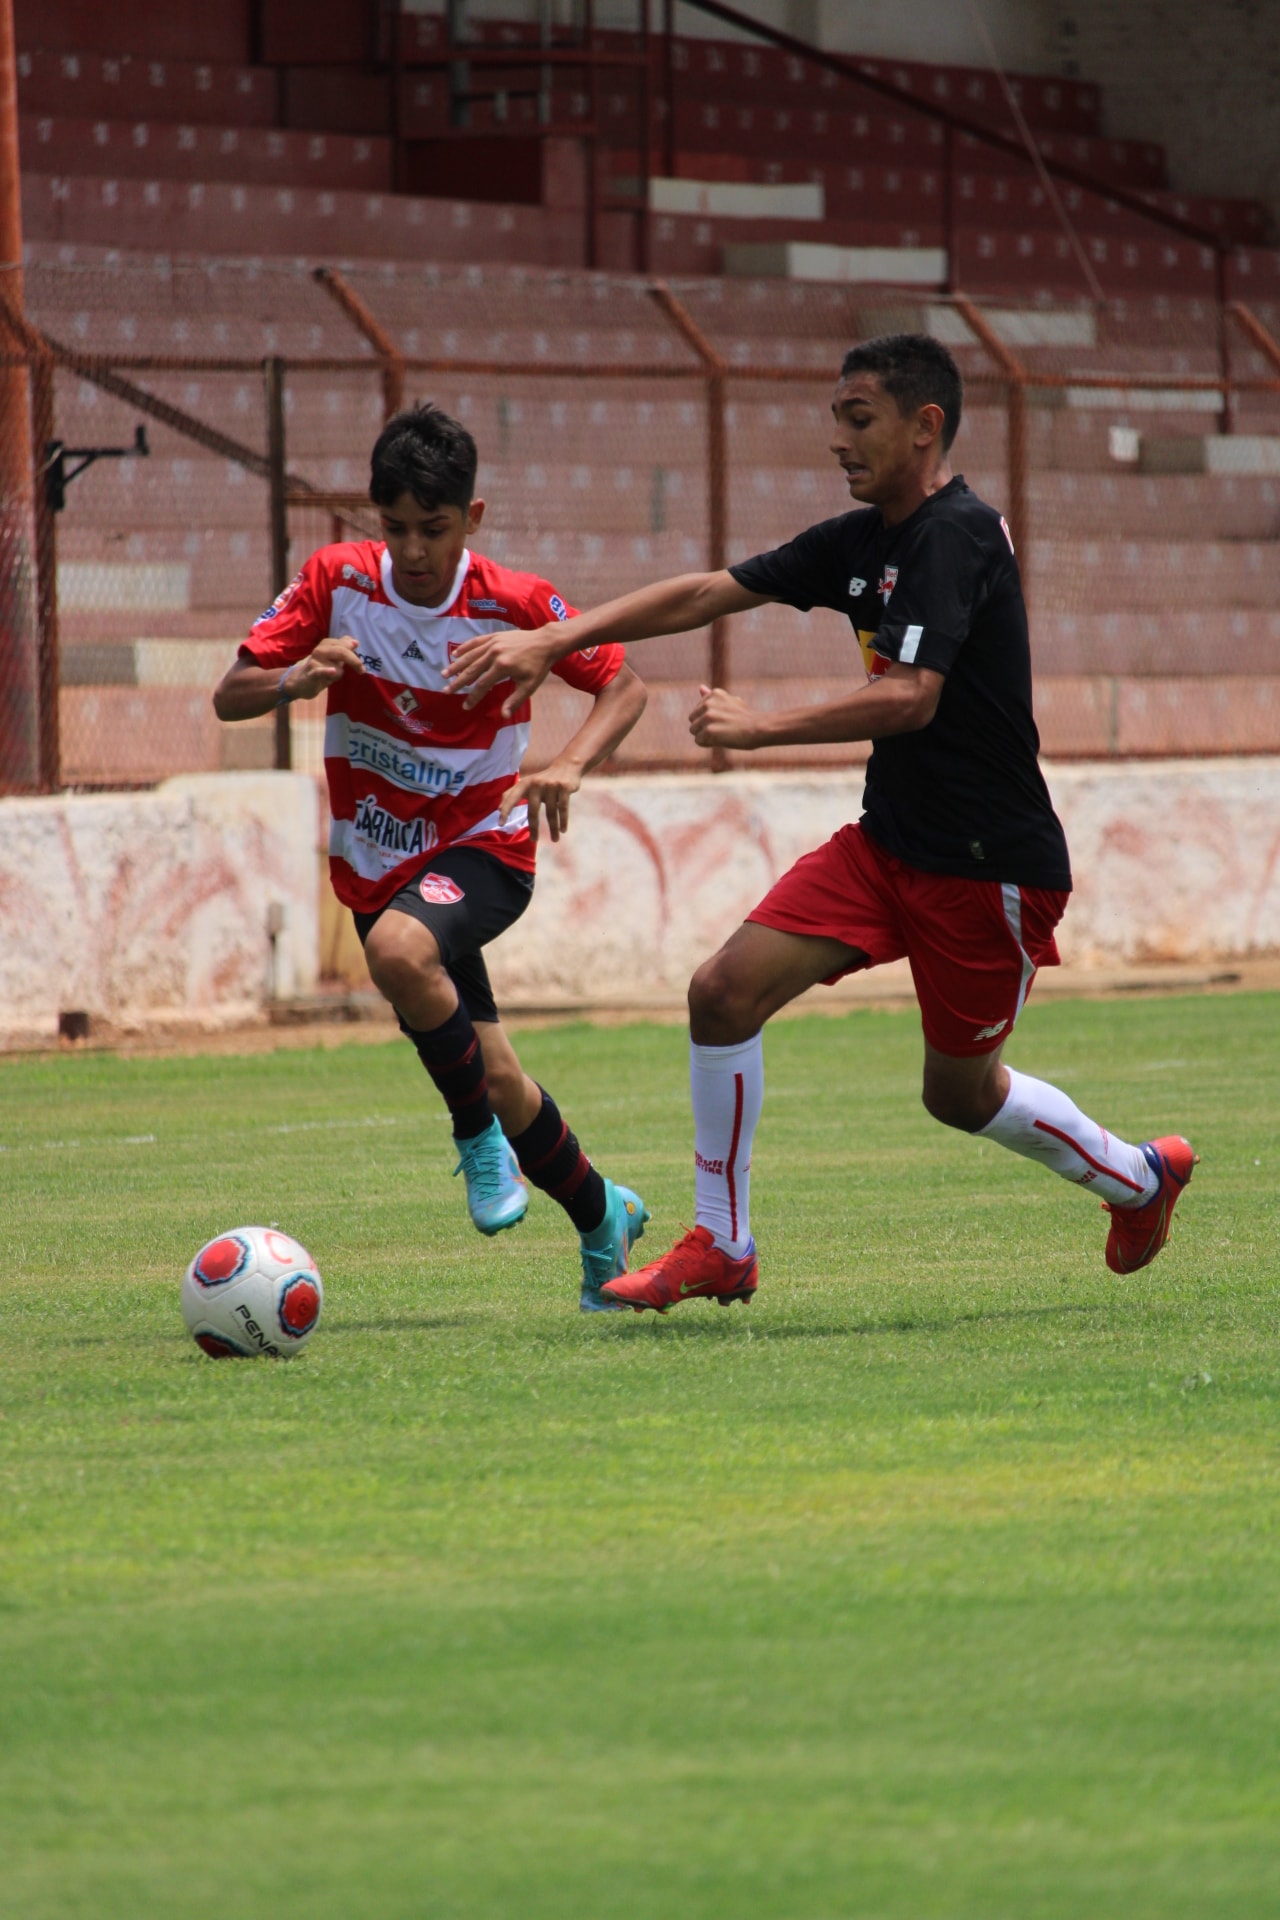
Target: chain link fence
(625,433)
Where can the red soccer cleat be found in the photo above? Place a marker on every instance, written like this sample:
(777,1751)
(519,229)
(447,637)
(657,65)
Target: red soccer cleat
(695,1269)
(1138,1233)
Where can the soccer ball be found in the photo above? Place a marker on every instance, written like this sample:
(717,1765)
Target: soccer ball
(252,1291)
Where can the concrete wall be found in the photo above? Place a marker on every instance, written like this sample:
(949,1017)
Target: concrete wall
(148,907)
(1173,861)
(1200,76)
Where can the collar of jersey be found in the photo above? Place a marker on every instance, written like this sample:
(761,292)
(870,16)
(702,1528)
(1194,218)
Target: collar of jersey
(410,606)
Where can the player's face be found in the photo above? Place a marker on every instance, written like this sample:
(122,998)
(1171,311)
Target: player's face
(878,447)
(425,544)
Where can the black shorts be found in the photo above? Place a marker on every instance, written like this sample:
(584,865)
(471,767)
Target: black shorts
(465,898)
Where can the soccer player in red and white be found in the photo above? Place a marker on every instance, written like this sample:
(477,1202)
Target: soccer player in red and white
(434,829)
(959,862)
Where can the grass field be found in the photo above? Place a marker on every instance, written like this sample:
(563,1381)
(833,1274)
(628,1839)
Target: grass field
(943,1582)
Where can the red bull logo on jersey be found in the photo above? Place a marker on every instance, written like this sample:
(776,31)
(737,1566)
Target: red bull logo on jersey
(386,832)
(438,890)
(888,582)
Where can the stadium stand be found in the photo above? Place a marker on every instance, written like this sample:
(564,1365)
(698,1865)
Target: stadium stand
(177,191)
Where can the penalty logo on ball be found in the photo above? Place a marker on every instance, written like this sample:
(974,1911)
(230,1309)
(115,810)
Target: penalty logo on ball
(222,1260)
(299,1307)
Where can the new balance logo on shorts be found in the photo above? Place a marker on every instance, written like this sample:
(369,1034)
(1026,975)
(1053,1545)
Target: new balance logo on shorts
(989,1033)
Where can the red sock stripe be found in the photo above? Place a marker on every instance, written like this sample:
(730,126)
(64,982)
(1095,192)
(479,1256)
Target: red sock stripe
(1099,1166)
(733,1154)
(536,1166)
(567,1188)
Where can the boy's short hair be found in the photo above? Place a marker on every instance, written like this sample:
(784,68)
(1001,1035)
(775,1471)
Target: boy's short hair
(916,371)
(427,453)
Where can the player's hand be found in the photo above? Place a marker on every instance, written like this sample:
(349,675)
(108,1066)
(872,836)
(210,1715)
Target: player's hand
(330,660)
(525,659)
(720,719)
(546,792)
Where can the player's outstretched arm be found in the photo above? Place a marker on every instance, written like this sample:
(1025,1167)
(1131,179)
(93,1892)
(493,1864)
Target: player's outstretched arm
(617,708)
(246,690)
(680,605)
(900,701)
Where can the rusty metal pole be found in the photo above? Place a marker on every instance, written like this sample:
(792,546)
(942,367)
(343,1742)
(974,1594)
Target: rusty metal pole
(273,372)
(366,322)
(668,87)
(50,675)
(717,372)
(20,768)
(1016,381)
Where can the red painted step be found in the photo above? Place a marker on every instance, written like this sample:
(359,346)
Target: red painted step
(164,150)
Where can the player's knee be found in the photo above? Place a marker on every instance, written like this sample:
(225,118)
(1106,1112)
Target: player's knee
(722,1006)
(399,970)
(962,1107)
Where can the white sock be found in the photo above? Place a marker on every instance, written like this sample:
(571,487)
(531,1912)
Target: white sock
(727,1084)
(1039,1121)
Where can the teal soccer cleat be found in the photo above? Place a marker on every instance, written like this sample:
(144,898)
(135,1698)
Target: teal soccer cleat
(606,1251)
(496,1195)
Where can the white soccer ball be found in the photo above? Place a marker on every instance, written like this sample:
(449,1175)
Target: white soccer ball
(254,1290)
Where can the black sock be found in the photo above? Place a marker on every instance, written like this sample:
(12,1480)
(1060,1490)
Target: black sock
(551,1158)
(452,1056)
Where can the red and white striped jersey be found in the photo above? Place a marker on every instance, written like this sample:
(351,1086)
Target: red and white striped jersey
(410,769)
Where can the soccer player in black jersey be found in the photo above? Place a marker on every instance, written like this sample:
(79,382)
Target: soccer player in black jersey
(959,861)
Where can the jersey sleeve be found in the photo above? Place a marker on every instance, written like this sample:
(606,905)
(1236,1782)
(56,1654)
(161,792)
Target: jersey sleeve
(592,668)
(941,582)
(296,622)
(804,573)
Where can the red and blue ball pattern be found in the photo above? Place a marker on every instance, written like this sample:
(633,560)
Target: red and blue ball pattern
(299,1305)
(222,1260)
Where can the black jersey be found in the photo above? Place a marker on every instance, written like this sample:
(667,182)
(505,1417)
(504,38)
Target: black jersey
(964,795)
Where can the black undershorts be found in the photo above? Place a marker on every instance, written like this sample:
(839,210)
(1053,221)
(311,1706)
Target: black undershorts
(465,898)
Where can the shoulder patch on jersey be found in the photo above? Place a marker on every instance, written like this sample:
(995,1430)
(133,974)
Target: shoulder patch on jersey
(281,601)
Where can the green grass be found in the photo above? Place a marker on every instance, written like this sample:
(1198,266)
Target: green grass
(944,1582)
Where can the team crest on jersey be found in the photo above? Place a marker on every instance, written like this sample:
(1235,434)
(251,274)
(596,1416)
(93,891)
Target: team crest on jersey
(438,890)
(395,839)
(887,584)
(405,702)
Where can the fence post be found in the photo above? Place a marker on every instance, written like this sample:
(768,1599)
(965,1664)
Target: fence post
(368,324)
(717,371)
(49,675)
(273,372)
(1016,382)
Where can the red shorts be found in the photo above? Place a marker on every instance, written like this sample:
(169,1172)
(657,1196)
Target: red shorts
(974,945)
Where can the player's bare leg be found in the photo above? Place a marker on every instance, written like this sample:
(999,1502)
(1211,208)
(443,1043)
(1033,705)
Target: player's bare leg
(756,972)
(405,964)
(1138,1186)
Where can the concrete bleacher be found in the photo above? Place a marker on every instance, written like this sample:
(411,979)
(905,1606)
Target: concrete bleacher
(171,136)
(175,191)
